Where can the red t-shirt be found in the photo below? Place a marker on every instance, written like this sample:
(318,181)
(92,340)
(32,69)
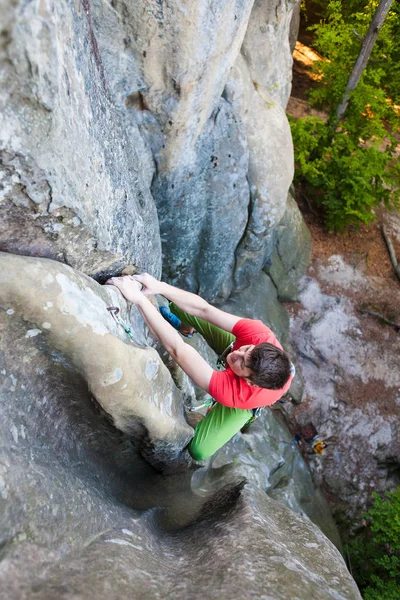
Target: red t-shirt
(234,391)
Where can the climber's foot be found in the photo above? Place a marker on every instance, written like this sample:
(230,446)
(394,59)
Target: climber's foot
(176,323)
(186,330)
(193,418)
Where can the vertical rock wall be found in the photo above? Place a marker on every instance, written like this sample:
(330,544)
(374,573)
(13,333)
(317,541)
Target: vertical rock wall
(127,126)
(119,110)
(64,140)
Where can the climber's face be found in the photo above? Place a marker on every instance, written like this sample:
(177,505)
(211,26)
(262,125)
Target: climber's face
(239,359)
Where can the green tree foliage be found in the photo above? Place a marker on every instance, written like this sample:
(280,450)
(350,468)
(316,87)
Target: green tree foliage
(375,556)
(349,166)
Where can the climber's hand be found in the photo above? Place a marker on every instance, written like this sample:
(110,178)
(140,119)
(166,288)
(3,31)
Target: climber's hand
(150,284)
(128,287)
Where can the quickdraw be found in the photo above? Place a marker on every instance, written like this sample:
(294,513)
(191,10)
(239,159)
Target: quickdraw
(114,311)
(256,412)
(209,403)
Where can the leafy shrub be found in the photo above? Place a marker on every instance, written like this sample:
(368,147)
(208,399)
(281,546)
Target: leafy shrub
(375,556)
(348,179)
(349,166)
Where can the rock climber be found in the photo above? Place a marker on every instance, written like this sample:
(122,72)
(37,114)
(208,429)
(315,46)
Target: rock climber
(258,371)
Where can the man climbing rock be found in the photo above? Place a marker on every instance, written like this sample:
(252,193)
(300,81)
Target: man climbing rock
(258,372)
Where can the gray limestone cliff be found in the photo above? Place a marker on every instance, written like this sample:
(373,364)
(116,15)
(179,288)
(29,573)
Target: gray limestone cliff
(145,135)
(130,126)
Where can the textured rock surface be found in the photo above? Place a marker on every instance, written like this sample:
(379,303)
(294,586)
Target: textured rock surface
(203,206)
(128,380)
(270,169)
(63,139)
(294,25)
(351,370)
(292,252)
(253,561)
(105,106)
(266,48)
(25,230)
(112,104)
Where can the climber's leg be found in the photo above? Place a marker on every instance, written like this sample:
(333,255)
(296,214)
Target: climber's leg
(217,338)
(216,429)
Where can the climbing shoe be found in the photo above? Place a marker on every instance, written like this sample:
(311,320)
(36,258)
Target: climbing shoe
(170,317)
(173,320)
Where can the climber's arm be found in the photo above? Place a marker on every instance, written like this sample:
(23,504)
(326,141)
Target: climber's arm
(190,303)
(187,357)
(193,364)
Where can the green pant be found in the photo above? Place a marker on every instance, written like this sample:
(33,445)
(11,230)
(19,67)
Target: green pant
(222,422)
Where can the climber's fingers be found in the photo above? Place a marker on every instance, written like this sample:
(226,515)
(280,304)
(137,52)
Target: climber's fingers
(150,284)
(128,287)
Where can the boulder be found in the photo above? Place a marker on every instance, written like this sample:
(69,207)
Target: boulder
(128,380)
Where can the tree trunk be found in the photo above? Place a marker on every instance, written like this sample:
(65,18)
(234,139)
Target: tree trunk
(363,57)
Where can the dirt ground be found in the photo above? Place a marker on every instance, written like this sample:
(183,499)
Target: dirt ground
(349,357)
(350,363)
(362,248)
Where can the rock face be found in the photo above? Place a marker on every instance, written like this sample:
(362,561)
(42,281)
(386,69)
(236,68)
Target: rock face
(129,381)
(111,112)
(128,127)
(251,561)
(64,141)
(291,254)
(59,349)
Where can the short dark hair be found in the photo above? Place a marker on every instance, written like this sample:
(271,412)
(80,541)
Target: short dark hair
(270,365)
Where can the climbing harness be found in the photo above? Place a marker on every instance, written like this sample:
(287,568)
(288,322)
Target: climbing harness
(114,311)
(209,403)
(221,360)
(256,413)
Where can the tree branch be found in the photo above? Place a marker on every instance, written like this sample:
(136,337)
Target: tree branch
(365,53)
(391,251)
(375,314)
